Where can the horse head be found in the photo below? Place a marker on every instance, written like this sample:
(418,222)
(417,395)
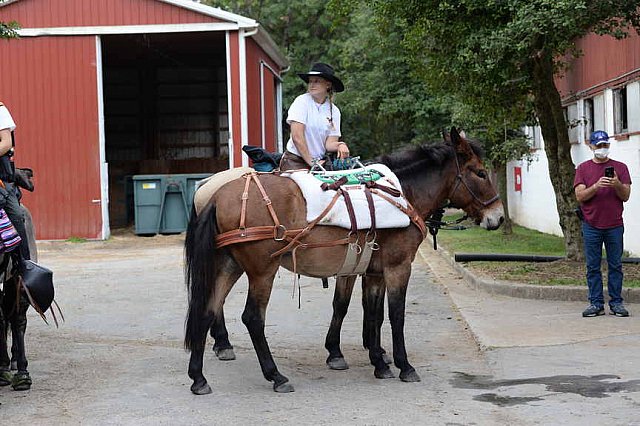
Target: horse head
(473,190)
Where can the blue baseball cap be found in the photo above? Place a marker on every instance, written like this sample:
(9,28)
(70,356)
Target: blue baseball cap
(598,137)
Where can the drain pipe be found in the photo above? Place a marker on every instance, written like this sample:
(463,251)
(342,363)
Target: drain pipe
(500,257)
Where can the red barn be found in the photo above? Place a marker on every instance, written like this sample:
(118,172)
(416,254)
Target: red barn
(103,90)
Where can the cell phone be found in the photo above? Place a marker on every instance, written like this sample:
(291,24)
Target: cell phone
(609,172)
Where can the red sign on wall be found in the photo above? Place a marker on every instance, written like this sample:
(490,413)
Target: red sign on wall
(517,178)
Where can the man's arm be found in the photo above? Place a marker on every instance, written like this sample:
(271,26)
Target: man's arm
(623,190)
(584,194)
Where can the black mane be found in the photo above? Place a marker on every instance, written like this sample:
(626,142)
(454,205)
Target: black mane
(412,159)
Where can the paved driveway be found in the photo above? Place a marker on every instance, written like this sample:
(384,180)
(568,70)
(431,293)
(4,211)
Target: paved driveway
(118,359)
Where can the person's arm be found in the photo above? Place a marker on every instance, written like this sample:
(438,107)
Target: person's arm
(585,194)
(5,141)
(623,190)
(297,136)
(334,145)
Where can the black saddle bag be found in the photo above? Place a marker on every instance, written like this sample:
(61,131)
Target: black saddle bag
(37,282)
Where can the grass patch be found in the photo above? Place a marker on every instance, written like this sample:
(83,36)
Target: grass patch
(524,241)
(76,240)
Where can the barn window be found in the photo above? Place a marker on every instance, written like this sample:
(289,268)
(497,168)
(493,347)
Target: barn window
(573,122)
(620,110)
(588,118)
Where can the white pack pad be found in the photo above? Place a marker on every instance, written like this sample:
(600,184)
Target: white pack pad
(387,215)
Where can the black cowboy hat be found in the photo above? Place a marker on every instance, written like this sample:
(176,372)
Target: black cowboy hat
(325,71)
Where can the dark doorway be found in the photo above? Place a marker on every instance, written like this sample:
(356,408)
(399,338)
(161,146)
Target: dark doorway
(165,109)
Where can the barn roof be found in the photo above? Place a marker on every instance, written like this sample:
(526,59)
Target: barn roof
(224,21)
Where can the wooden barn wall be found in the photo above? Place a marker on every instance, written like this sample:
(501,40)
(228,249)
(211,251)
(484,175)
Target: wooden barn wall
(50,88)
(77,13)
(255,55)
(604,59)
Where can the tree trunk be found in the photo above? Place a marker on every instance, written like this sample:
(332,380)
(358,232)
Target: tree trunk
(558,149)
(501,176)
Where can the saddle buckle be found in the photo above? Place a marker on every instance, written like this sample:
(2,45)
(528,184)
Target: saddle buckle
(279,232)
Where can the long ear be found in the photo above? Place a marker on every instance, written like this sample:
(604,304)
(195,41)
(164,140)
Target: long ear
(460,143)
(445,136)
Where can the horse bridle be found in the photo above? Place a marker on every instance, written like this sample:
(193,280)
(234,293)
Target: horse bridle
(460,179)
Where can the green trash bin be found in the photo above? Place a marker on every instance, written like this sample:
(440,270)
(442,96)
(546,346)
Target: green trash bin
(163,202)
(191,181)
(148,198)
(175,212)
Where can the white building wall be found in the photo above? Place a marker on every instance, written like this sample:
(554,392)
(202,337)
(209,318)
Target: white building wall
(535,206)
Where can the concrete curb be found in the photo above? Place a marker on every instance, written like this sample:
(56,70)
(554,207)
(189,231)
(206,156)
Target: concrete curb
(530,291)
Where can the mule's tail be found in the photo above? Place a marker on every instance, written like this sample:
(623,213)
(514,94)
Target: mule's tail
(200,273)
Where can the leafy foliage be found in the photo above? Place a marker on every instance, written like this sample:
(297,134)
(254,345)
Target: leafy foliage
(385,105)
(499,58)
(9,29)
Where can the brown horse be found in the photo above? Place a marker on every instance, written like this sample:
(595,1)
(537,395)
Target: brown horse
(429,175)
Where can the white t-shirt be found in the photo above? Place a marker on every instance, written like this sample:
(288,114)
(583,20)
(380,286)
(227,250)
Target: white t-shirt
(6,121)
(318,123)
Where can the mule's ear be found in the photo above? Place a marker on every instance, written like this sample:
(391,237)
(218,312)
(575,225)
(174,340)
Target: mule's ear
(445,136)
(461,144)
(455,136)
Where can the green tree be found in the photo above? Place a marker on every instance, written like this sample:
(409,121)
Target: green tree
(384,105)
(9,29)
(514,47)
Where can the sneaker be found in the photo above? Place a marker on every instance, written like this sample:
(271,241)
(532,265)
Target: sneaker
(593,311)
(618,310)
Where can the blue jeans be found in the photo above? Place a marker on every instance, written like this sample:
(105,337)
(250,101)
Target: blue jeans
(612,240)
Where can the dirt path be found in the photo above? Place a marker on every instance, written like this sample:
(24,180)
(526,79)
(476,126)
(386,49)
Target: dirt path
(118,359)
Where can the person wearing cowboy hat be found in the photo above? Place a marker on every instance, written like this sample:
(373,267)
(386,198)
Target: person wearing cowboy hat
(314,120)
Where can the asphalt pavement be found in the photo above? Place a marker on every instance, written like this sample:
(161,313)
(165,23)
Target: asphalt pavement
(484,358)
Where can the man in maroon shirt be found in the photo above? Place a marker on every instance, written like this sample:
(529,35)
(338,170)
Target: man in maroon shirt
(601,186)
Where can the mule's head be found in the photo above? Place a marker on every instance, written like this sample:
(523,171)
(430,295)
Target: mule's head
(472,190)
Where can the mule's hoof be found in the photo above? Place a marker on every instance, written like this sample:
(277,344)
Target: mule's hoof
(384,373)
(285,387)
(21,381)
(337,363)
(225,354)
(410,376)
(5,377)
(386,358)
(201,389)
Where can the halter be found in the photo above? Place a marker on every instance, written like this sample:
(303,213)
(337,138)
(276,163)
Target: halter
(460,179)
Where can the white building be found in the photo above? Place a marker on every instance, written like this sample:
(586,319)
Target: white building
(601,91)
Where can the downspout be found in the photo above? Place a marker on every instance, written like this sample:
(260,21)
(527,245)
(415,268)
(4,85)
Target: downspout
(278,106)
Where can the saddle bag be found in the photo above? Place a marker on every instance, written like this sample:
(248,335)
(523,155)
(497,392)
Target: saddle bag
(37,282)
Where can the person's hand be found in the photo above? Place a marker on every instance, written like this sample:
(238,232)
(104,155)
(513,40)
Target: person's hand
(605,182)
(343,150)
(615,182)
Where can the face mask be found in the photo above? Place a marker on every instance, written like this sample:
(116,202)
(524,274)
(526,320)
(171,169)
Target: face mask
(601,153)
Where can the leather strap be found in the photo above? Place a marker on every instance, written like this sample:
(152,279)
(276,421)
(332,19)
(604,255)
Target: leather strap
(372,208)
(409,211)
(266,199)
(306,230)
(335,185)
(245,197)
(388,189)
(350,210)
(255,233)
